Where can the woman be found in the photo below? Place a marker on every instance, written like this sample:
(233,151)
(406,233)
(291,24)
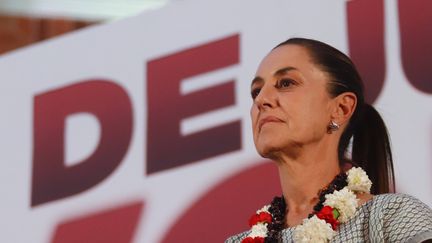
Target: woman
(308,104)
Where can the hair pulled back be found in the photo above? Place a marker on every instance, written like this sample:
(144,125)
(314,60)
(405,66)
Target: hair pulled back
(370,141)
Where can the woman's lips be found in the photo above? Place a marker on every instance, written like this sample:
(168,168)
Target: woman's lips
(267,120)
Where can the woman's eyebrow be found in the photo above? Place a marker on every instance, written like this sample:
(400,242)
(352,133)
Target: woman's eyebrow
(278,72)
(284,70)
(257,79)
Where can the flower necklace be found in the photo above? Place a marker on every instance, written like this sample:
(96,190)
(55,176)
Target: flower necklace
(337,204)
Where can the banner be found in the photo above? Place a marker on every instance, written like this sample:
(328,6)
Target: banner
(139,130)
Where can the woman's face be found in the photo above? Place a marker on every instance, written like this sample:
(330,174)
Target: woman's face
(291,105)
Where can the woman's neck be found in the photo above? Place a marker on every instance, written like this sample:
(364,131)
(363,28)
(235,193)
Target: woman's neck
(301,179)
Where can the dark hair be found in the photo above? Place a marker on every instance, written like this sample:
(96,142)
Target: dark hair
(370,141)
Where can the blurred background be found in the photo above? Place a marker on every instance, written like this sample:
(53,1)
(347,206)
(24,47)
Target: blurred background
(23,22)
(135,128)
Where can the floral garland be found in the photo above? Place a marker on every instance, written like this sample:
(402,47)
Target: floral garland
(337,204)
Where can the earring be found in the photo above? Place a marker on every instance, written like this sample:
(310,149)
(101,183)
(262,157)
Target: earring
(333,126)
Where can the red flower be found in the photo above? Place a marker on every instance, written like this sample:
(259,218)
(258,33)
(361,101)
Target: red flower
(253,240)
(326,213)
(248,240)
(260,218)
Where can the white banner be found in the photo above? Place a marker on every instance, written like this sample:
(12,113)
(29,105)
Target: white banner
(139,131)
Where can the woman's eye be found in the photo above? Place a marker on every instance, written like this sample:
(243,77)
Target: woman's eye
(284,83)
(255,92)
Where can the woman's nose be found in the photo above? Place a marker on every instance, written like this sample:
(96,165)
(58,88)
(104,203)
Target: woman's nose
(266,97)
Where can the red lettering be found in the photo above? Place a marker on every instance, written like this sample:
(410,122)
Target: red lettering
(366,43)
(224,210)
(116,225)
(415,19)
(166,147)
(110,104)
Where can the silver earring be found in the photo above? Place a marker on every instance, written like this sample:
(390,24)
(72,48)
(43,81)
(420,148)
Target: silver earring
(333,126)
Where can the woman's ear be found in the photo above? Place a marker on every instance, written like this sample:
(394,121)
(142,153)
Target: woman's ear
(345,105)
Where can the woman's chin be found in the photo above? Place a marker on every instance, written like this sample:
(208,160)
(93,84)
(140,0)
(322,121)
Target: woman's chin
(272,149)
(267,150)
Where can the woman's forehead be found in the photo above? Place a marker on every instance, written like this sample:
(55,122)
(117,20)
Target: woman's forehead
(293,56)
(290,57)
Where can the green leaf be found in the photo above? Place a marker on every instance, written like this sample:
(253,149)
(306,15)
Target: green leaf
(336,213)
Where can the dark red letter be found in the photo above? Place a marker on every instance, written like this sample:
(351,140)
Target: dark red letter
(415,18)
(366,43)
(111,105)
(166,147)
(116,225)
(222,210)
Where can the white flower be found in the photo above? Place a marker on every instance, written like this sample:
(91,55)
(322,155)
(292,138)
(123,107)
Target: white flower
(313,230)
(345,201)
(358,180)
(263,209)
(259,230)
